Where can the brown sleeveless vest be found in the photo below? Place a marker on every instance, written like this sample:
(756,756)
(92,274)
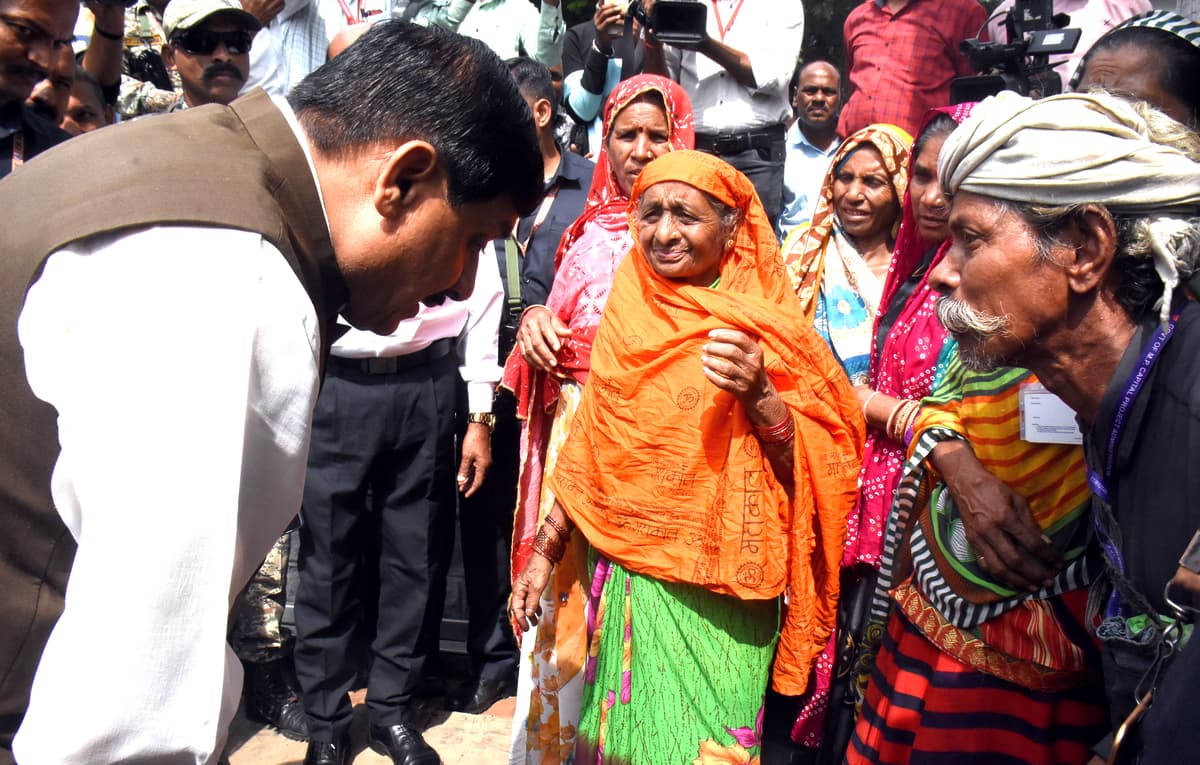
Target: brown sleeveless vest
(237,167)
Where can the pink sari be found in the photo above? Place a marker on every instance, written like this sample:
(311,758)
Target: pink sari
(905,367)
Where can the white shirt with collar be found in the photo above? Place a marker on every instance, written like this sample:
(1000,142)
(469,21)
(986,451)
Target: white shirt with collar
(770,32)
(182,362)
(475,320)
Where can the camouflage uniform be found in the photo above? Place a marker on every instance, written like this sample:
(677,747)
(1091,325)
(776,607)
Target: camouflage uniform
(257,636)
(255,629)
(144,40)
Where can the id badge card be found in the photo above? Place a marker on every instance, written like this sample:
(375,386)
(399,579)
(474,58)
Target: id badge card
(1046,419)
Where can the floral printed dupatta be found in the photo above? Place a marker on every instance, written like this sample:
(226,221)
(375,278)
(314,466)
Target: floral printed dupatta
(837,291)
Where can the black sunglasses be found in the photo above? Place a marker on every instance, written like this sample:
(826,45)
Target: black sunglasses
(202,42)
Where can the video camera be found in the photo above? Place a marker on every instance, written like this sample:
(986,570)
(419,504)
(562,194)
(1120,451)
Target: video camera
(674,22)
(1021,64)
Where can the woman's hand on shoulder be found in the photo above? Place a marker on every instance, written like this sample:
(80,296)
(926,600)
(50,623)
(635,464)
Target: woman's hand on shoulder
(540,337)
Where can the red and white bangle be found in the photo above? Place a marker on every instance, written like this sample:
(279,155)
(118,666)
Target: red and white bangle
(781,433)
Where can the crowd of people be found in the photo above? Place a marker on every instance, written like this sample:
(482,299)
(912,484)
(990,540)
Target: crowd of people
(784,413)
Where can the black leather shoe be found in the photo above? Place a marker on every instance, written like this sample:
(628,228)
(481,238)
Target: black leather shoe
(403,743)
(477,696)
(324,753)
(270,699)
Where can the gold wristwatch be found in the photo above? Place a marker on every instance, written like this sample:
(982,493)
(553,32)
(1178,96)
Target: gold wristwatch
(486,418)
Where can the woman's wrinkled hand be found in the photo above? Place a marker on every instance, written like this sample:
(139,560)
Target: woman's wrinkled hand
(524,607)
(1008,543)
(540,337)
(733,362)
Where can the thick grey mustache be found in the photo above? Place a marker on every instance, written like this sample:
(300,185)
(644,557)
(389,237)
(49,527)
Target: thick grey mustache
(960,319)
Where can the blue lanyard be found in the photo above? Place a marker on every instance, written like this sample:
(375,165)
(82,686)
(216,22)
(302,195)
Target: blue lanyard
(1100,484)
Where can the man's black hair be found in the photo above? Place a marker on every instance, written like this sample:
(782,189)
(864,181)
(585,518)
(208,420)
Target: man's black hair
(84,76)
(940,126)
(401,82)
(534,80)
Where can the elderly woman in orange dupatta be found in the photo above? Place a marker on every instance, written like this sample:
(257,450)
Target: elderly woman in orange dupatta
(711,471)
(645,116)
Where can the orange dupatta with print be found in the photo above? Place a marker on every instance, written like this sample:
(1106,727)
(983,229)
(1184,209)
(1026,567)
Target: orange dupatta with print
(664,473)
(574,300)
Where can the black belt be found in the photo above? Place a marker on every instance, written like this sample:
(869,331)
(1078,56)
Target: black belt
(390,365)
(735,142)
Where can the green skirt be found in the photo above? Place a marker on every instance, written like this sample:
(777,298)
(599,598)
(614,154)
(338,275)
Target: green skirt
(675,674)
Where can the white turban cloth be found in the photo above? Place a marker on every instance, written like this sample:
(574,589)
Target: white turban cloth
(1075,148)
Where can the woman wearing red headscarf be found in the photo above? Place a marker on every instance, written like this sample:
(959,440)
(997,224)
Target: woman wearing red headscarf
(905,346)
(645,116)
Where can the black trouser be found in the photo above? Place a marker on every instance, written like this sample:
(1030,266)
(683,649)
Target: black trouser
(486,525)
(763,165)
(380,468)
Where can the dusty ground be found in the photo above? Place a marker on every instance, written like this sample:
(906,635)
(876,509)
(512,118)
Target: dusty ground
(460,739)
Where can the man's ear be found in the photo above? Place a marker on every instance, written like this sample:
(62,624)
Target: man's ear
(1093,234)
(543,113)
(405,176)
(168,57)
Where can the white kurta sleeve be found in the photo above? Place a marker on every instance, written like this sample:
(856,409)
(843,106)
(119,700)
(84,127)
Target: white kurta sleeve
(183,365)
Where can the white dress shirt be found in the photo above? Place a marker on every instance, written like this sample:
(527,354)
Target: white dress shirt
(770,32)
(476,320)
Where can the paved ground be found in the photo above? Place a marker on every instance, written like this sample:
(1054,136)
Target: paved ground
(460,739)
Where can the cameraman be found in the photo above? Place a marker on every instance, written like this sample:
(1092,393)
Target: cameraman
(740,99)
(1092,19)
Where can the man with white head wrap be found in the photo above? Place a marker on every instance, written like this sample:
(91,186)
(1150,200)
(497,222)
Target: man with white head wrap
(1076,219)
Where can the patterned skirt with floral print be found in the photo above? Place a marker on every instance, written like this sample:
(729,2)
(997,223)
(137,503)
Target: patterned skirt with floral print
(675,674)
